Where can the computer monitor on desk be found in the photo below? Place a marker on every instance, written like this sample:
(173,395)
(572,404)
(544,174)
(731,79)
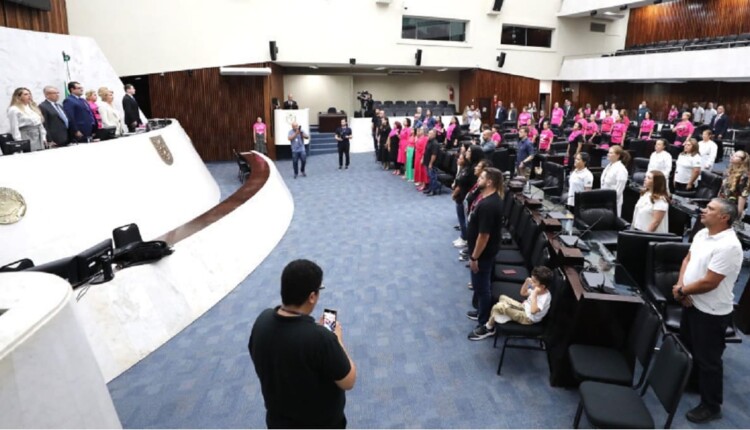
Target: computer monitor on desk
(15,147)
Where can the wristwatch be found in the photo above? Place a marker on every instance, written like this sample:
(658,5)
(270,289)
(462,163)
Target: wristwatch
(680,292)
(472,258)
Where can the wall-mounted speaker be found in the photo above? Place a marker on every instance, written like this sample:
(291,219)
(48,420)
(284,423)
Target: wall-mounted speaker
(418,57)
(497,5)
(501,60)
(352,61)
(273,49)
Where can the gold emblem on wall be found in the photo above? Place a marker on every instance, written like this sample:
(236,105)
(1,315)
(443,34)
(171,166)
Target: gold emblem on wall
(12,206)
(162,149)
(291,118)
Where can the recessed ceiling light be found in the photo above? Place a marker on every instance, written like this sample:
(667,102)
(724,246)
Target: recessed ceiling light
(380,68)
(313,67)
(442,69)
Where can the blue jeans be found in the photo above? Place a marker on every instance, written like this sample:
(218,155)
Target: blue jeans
(296,156)
(482,288)
(461,215)
(434,183)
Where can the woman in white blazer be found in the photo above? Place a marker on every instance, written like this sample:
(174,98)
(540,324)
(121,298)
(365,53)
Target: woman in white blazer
(615,175)
(26,120)
(110,115)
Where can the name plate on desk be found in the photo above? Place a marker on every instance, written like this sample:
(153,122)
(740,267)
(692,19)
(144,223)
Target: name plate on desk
(533,203)
(551,224)
(571,256)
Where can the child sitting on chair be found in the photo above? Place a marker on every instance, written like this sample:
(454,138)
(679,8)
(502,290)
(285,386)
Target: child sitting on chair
(533,309)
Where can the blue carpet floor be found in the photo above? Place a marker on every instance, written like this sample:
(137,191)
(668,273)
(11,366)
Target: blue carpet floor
(401,293)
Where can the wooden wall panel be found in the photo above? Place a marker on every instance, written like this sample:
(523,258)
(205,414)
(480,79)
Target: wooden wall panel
(688,19)
(477,84)
(13,15)
(735,96)
(217,112)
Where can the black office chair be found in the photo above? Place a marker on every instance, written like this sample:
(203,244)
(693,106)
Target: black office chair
(244,169)
(552,182)
(538,332)
(611,366)
(17,266)
(634,244)
(332,110)
(596,210)
(539,256)
(616,406)
(708,188)
(640,169)
(524,235)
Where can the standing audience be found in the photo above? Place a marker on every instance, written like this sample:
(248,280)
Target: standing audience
(734,186)
(109,114)
(581,179)
(26,120)
(55,120)
(132,112)
(687,171)
(707,148)
(615,175)
(660,159)
(652,207)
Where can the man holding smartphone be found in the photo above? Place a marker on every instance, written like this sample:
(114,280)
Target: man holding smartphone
(303,367)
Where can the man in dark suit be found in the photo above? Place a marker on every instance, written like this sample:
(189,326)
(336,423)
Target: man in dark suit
(720,123)
(290,103)
(500,113)
(568,109)
(81,120)
(130,106)
(55,120)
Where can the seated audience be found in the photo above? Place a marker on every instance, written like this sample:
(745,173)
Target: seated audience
(533,309)
(651,210)
(110,116)
(55,120)
(545,137)
(687,171)
(684,129)
(581,179)
(26,120)
(91,99)
(615,175)
(707,148)
(660,159)
(734,186)
(647,126)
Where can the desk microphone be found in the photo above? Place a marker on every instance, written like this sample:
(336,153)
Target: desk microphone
(583,233)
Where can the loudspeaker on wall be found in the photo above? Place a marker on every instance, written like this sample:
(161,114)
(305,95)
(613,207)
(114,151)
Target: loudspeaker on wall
(352,61)
(501,60)
(497,5)
(273,49)
(418,57)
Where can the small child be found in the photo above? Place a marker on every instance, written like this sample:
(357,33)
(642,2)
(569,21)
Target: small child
(533,309)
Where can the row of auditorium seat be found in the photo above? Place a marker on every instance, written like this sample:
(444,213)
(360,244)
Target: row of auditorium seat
(732,41)
(409,111)
(412,102)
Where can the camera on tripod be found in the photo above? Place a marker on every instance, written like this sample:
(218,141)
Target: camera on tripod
(366,102)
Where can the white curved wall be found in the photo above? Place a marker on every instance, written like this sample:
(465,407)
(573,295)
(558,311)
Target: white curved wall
(145,306)
(77,195)
(49,377)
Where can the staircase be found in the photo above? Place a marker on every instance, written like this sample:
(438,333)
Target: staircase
(322,143)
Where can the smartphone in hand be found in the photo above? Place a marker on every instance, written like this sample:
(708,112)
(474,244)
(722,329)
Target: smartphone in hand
(329,318)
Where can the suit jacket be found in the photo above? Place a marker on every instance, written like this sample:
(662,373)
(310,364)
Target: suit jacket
(500,115)
(132,114)
(57,131)
(569,112)
(512,115)
(290,105)
(720,125)
(80,117)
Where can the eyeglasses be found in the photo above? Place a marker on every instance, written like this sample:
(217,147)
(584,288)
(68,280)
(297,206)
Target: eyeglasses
(322,287)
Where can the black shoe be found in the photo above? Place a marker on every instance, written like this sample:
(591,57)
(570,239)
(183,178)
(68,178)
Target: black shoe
(481,332)
(703,414)
(472,315)
(347,167)
(339,167)
(457,227)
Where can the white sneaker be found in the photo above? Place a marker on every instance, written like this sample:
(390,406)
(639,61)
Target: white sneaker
(457,241)
(460,243)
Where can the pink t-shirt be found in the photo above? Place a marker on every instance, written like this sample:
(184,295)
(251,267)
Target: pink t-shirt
(496,137)
(523,118)
(684,129)
(618,133)
(449,131)
(607,124)
(545,139)
(533,133)
(394,132)
(647,126)
(557,116)
(574,135)
(673,115)
(583,123)
(592,128)
(259,128)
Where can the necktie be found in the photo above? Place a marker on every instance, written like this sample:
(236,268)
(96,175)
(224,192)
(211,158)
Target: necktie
(61,114)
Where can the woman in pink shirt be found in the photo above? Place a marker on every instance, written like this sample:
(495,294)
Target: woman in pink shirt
(545,137)
(259,136)
(581,119)
(592,129)
(449,132)
(404,141)
(91,100)
(579,115)
(673,114)
(647,126)
(496,136)
(420,171)
(600,112)
(587,111)
(557,115)
(684,129)
(618,132)
(575,143)
(607,123)
(524,117)
(625,119)
(532,133)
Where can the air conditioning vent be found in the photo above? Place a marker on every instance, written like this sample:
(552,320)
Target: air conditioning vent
(597,27)
(405,72)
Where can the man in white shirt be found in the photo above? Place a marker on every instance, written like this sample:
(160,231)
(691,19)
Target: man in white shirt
(698,112)
(704,288)
(708,114)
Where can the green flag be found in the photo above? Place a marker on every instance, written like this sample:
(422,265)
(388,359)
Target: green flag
(66,58)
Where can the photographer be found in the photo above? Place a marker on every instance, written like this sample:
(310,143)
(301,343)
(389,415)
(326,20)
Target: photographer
(366,102)
(297,140)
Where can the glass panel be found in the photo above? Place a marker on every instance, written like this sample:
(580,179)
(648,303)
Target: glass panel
(458,31)
(433,29)
(408,28)
(539,37)
(513,35)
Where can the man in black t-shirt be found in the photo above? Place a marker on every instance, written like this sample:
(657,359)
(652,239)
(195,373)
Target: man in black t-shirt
(377,119)
(343,136)
(483,237)
(303,367)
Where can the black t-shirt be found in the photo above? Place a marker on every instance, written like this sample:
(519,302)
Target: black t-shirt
(375,124)
(344,133)
(486,219)
(297,362)
(464,181)
(433,147)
